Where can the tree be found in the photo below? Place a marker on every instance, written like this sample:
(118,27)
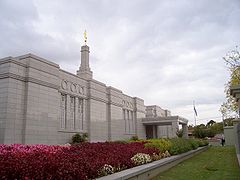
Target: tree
(202,131)
(216,128)
(229,108)
(228,122)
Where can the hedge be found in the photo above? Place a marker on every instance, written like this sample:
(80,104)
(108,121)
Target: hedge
(176,145)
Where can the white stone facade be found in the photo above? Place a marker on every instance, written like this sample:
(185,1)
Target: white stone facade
(43,104)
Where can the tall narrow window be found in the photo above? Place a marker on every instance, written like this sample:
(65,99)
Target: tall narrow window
(128,122)
(132,123)
(72,112)
(128,117)
(124,118)
(63,111)
(80,113)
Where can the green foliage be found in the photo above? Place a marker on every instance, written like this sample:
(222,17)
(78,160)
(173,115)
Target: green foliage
(210,133)
(77,138)
(202,131)
(179,146)
(229,108)
(232,60)
(134,138)
(202,142)
(179,133)
(176,145)
(162,144)
(228,122)
(194,143)
(217,128)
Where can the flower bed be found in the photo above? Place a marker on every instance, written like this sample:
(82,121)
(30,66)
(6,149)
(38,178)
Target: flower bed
(83,161)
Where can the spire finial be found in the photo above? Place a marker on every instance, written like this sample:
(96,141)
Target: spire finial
(85,37)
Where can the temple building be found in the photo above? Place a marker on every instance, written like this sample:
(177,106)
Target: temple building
(42,104)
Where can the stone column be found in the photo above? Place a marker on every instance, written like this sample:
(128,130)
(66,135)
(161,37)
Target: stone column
(185,131)
(154,128)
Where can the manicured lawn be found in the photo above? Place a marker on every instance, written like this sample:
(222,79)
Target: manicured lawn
(215,163)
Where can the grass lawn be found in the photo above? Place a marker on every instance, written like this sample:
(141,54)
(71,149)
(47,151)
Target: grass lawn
(215,163)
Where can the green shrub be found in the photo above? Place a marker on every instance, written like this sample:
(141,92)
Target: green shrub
(179,133)
(77,138)
(194,143)
(176,145)
(162,144)
(85,136)
(179,146)
(202,142)
(200,132)
(134,138)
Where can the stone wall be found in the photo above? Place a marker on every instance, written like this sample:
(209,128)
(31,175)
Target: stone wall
(229,135)
(12,94)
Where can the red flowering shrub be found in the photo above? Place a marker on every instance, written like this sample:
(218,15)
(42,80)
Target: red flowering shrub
(66,162)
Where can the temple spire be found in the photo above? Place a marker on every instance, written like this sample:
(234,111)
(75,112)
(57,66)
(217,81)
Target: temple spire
(84,69)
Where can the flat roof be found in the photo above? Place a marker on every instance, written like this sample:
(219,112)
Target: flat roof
(164,120)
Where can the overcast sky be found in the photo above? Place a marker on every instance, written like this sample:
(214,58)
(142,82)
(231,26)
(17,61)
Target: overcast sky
(167,52)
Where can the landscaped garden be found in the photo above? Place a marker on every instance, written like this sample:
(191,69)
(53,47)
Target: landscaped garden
(85,160)
(215,163)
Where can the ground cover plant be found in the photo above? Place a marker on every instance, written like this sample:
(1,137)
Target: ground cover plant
(176,145)
(215,163)
(81,161)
